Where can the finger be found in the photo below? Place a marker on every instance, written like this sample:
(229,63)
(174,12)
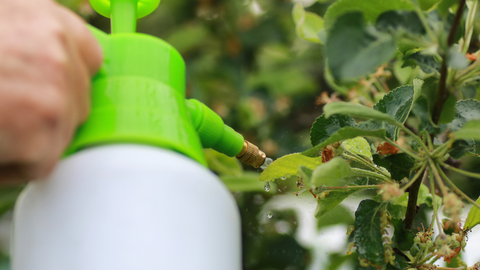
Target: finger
(89,48)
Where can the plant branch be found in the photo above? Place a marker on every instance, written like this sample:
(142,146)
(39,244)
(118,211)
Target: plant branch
(442,94)
(415,177)
(412,199)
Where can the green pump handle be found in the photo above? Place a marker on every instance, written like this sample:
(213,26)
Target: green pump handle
(138,95)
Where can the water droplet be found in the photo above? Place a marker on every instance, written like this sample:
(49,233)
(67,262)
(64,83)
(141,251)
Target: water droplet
(269,214)
(283,178)
(267,186)
(267,162)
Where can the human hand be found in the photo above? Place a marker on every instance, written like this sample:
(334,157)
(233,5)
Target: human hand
(47,59)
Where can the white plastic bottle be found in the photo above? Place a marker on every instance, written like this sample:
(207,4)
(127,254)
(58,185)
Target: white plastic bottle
(127,207)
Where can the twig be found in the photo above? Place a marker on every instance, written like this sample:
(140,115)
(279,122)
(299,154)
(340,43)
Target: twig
(414,178)
(412,200)
(442,84)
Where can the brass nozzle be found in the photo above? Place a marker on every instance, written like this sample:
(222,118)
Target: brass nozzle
(251,155)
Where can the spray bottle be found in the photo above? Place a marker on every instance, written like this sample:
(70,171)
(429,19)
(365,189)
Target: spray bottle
(133,191)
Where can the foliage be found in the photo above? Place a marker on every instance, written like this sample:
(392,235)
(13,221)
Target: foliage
(364,133)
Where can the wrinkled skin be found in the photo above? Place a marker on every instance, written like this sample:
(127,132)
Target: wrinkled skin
(47,57)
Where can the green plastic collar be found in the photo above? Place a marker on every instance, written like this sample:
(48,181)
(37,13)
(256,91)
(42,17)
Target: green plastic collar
(138,96)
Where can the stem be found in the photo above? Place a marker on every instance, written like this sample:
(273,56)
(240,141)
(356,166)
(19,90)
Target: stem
(352,187)
(410,153)
(445,177)
(425,25)
(442,84)
(365,173)
(414,136)
(469,23)
(354,157)
(442,147)
(469,174)
(412,200)
(433,167)
(426,259)
(419,172)
(430,143)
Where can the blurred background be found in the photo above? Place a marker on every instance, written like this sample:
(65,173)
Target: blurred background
(246,62)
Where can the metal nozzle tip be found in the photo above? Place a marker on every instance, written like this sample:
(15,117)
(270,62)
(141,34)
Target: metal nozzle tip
(251,155)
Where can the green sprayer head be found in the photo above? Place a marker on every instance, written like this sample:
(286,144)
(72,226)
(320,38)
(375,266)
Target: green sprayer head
(138,96)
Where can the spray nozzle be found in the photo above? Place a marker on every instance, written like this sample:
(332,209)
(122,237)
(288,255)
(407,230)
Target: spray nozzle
(251,155)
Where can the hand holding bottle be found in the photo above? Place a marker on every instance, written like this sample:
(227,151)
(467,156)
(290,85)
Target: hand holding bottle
(47,58)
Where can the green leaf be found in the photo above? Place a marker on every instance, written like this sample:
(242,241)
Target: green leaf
(461,147)
(464,125)
(471,130)
(400,165)
(333,199)
(371,9)
(448,111)
(404,75)
(287,166)
(341,215)
(331,81)
(356,110)
(473,218)
(399,263)
(247,182)
(424,197)
(396,211)
(398,104)
(402,237)
(429,92)
(358,146)
(466,110)
(426,62)
(367,234)
(344,134)
(331,173)
(400,20)
(222,164)
(324,127)
(353,50)
(308,24)
(469,91)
